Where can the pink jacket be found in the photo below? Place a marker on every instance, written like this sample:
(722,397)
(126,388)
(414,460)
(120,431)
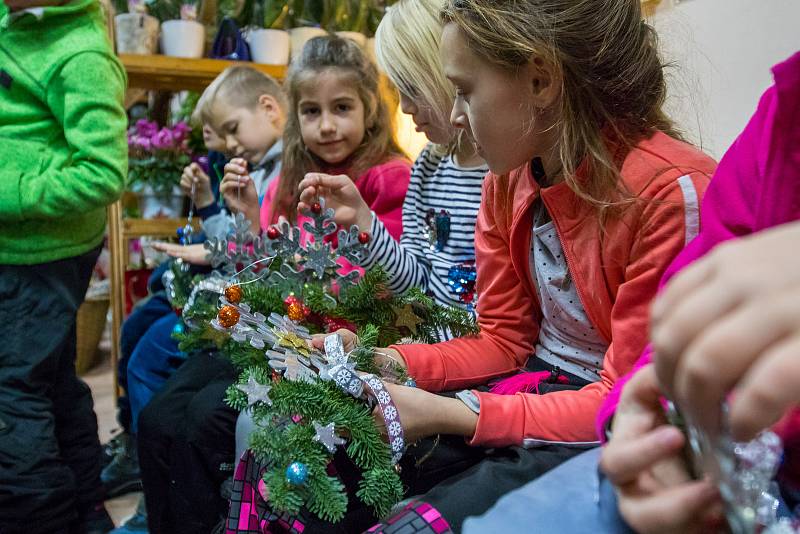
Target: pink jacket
(616,273)
(383,187)
(756,186)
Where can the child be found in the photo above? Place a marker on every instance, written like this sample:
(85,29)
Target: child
(338,124)
(727,303)
(247,110)
(64,159)
(588,199)
(729,322)
(446,179)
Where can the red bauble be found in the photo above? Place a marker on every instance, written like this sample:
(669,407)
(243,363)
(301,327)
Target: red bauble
(291,299)
(273,232)
(228,316)
(233,294)
(332,324)
(316,208)
(363,238)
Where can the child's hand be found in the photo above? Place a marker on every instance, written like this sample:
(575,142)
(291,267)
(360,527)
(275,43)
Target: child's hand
(643,461)
(383,357)
(203,196)
(732,322)
(239,192)
(424,414)
(341,194)
(195,254)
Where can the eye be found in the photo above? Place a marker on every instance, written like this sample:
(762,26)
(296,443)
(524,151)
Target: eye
(311,110)
(233,128)
(343,108)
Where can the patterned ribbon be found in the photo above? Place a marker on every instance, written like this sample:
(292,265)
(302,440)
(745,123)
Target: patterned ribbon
(351,382)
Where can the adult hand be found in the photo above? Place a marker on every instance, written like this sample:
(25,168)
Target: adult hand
(341,194)
(193,174)
(194,254)
(239,192)
(731,323)
(643,461)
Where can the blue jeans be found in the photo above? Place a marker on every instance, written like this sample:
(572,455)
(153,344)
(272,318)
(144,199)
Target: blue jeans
(154,360)
(574,497)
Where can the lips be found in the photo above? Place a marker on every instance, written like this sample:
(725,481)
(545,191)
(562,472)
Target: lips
(421,127)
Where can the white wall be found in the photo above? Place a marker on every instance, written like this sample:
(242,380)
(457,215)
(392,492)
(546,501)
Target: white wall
(723,51)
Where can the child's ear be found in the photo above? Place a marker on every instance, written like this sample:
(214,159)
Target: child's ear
(545,82)
(270,105)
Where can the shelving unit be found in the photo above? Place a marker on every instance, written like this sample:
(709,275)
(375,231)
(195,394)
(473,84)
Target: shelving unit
(160,73)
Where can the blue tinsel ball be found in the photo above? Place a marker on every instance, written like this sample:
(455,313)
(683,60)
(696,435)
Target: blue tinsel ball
(411,383)
(297,474)
(178,328)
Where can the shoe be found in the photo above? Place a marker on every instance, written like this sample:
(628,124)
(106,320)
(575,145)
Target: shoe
(122,474)
(94,520)
(110,448)
(135,524)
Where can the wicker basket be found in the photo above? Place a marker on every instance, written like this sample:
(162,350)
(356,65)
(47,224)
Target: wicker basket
(90,325)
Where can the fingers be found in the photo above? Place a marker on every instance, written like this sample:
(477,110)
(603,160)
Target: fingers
(718,357)
(316,179)
(623,461)
(676,509)
(770,388)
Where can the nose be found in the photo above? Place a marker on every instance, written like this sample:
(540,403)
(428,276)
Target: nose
(327,125)
(232,144)
(407,105)
(458,116)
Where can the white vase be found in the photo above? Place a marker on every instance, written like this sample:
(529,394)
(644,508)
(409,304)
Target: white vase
(270,47)
(299,37)
(182,38)
(358,37)
(136,33)
(153,205)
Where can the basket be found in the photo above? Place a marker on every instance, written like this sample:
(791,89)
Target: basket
(90,325)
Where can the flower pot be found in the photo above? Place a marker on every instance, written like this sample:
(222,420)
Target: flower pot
(182,38)
(136,33)
(358,37)
(156,204)
(299,36)
(269,46)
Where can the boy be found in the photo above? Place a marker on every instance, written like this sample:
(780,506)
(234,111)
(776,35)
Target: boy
(247,109)
(64,158)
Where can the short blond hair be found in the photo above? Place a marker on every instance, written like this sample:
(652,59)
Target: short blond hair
(240,86)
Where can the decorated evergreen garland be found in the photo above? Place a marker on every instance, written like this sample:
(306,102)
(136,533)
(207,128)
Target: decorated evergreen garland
(306,402)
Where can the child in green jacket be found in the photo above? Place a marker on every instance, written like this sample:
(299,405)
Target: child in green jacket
(63,159)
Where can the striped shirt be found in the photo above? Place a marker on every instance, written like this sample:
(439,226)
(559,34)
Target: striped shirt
(437,183)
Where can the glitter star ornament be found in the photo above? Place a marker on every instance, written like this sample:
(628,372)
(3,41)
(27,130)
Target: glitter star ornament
(255,392)
(407,318)
(326,435)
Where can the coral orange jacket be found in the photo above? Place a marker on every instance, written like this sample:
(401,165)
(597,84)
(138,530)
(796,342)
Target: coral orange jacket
(615,267)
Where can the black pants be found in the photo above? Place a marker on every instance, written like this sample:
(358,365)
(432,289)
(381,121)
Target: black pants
(186,447)
(49,450)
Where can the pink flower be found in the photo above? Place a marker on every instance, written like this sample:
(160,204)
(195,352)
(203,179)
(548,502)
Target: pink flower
(146,128)
(139,141)
(163,139)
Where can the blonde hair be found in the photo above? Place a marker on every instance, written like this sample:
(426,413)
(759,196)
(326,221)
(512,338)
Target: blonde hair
(613,86)
(407,50)
(239,86)
(348,61)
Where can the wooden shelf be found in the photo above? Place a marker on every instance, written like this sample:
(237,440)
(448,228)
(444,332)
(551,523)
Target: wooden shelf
(154,227)
(168,73)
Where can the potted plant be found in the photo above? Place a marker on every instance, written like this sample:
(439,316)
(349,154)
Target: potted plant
(156,158)
(349,20)
(306,21)
(181,34)
(135,31)
(269,43)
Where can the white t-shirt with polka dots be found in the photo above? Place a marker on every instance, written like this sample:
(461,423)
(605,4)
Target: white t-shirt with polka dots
(567,338)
